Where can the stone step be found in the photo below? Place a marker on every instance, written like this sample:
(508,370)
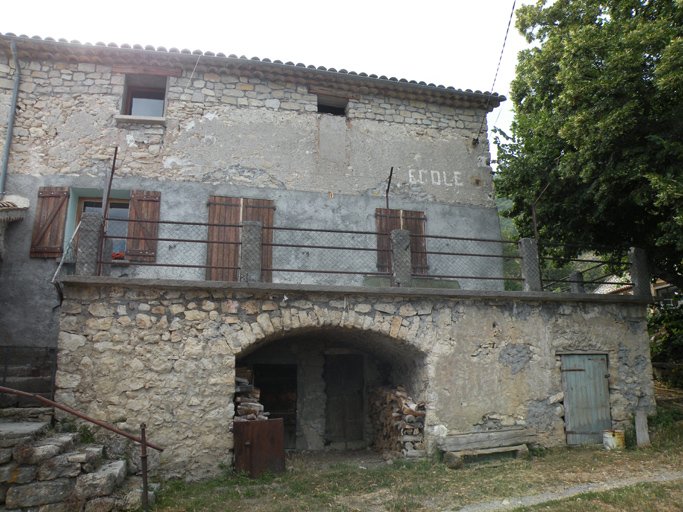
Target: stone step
(102,482)
(72,464)
(30,383)
(26,370)
(40,451)
(14,433)
(31,414)
(8,400)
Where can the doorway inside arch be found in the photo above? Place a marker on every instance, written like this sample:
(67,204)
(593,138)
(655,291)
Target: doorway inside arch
(325,384)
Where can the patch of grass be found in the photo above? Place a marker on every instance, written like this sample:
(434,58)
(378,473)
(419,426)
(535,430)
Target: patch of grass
(315,482)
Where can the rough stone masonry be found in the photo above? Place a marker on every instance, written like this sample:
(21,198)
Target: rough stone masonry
(163,353)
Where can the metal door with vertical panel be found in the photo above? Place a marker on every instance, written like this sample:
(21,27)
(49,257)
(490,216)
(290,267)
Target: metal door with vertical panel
(586,397)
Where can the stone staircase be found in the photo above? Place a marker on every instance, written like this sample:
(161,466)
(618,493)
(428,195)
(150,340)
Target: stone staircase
(26,369)
(54,472)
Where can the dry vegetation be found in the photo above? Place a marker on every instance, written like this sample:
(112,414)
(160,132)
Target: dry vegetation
(347,482)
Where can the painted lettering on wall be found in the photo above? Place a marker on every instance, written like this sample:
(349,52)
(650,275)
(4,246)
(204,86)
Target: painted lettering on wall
(438,178)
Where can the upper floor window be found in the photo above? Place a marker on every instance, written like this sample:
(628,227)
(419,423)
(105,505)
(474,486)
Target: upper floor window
(145,96)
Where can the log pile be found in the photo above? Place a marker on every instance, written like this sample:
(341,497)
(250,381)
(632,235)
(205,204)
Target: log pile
(247,406)
(398,422)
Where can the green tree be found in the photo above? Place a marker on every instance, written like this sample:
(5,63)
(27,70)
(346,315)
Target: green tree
(598,107)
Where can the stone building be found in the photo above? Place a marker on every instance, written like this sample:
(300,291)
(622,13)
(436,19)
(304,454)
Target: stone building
(251,224)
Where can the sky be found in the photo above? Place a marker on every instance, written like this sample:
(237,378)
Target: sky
(452,42)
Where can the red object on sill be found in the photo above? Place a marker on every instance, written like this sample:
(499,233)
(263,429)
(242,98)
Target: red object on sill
(118,255)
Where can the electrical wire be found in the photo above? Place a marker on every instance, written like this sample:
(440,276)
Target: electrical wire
(500,59)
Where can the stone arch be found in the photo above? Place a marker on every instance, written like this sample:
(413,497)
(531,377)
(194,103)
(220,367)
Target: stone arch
(375,354)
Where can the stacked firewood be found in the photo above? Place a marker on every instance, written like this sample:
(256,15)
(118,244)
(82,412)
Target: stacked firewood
(247,406)
(398,422)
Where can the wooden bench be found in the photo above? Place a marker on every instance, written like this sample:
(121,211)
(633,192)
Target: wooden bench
(464,444)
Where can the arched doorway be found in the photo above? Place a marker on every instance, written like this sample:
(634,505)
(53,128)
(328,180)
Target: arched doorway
(323,382)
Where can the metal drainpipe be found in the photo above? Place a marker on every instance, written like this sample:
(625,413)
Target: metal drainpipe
(10,122)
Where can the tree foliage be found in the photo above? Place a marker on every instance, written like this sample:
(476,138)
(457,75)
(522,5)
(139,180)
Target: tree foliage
(599,117)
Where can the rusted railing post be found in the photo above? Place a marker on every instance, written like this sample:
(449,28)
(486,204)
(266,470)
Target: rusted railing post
(143,461)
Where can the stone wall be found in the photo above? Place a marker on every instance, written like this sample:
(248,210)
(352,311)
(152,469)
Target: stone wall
(221,127)
(132,351)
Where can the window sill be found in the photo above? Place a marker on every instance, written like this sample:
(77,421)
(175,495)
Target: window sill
(122,119)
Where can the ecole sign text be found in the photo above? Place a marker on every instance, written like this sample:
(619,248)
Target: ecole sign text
(438,178)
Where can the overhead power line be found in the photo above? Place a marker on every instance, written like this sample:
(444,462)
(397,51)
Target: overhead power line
(493,85)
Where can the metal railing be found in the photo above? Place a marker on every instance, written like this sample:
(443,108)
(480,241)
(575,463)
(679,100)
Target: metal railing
(142,439)
(600,270)
(252,252)
(198,251)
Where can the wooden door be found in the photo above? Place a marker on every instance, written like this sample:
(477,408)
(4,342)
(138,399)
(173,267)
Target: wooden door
(586,397)
(344,384)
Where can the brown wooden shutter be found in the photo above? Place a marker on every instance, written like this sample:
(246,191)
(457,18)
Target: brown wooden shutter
(224,221)
(262,210)
(142,244)
(414,222)
(226,215)
(48,228)
(410,220)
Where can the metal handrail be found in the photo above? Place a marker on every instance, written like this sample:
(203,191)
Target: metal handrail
(142,439)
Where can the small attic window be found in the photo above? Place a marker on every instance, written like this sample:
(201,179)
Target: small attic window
(332,105)
(145,96)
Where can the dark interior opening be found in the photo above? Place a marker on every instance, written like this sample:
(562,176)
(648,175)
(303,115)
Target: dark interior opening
(332,105)
(277,383)
(329,109)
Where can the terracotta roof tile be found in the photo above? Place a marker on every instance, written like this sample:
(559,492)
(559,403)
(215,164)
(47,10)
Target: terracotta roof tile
(493,98)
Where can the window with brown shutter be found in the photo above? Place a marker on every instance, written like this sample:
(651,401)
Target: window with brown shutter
(226,214)
(410,220)
(142,241)
(48,229)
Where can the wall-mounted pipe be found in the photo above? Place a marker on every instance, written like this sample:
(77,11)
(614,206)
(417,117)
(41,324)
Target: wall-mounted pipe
(10,121)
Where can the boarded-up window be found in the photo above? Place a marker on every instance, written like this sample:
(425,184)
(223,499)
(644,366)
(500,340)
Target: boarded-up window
(412,221)
(48,228)
(226,215)
(142,241)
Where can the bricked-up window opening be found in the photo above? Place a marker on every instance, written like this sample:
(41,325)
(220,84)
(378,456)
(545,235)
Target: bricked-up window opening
(332,105)
(410,220)
(118,209)
(145,96)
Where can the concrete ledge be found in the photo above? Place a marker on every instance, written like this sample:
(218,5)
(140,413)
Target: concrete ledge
(123,119)
(77,281)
